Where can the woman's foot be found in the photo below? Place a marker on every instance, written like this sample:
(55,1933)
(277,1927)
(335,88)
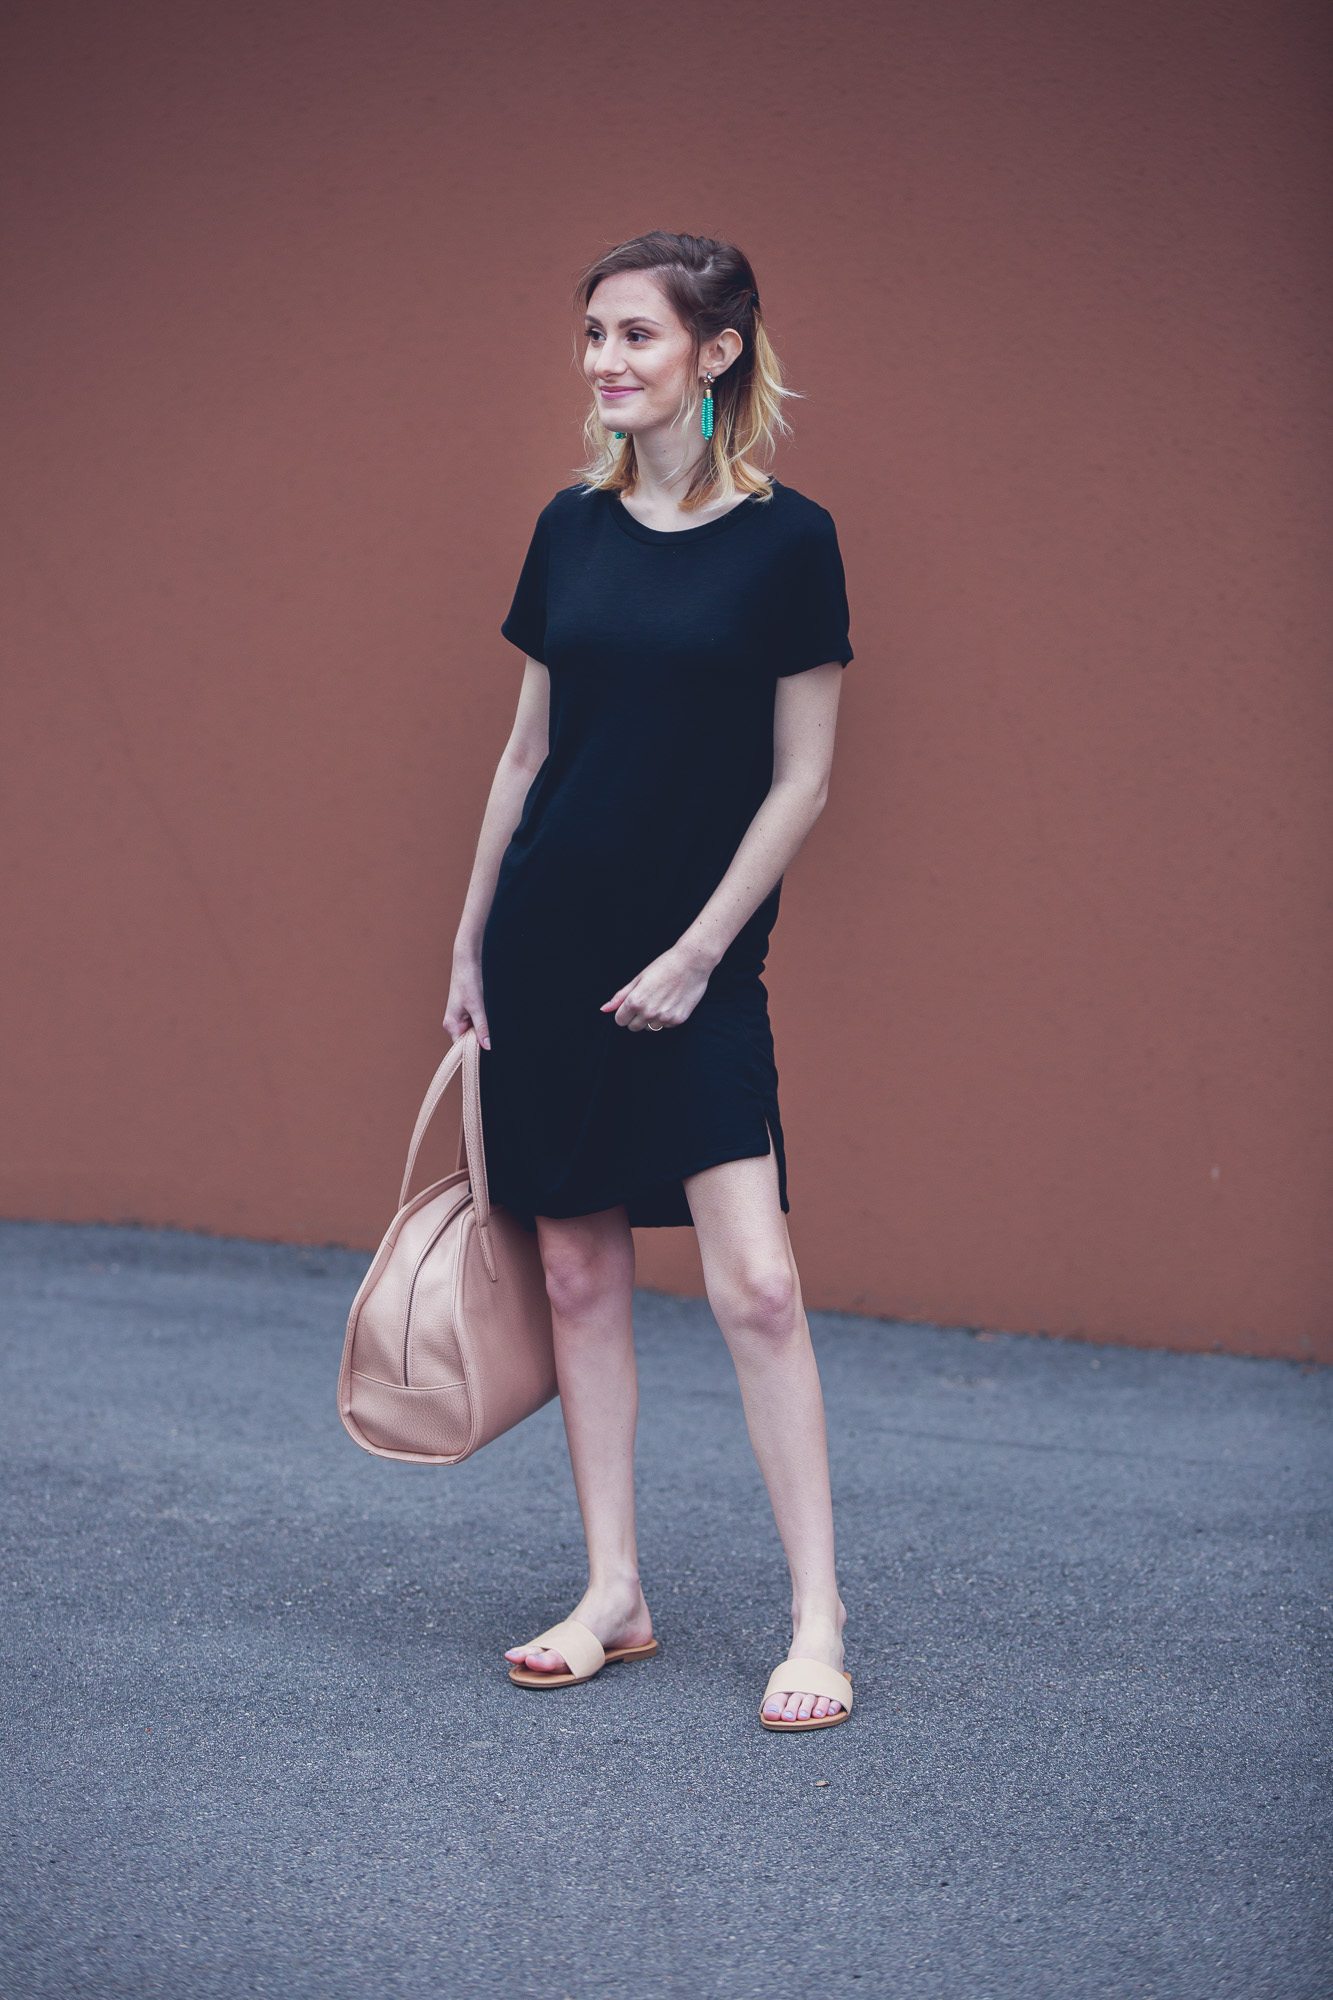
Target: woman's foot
(617,1614)
(815,1636)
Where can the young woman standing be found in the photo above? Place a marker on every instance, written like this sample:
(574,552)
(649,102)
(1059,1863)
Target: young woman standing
(684,622)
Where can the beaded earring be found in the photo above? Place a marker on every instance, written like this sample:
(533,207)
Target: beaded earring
(620,436)
(706,420)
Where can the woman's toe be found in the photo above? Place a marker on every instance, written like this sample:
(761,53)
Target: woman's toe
(800,1707)
(526,1656)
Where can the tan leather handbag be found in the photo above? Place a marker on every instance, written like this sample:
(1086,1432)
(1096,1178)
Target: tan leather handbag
(449,1338)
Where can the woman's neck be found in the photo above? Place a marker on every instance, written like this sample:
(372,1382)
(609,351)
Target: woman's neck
(665,466)
(666,463)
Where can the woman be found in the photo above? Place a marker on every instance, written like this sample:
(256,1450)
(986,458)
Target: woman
(684,622)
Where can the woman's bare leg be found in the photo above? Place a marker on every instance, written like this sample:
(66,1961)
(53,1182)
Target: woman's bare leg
(589,1263)
(755,1294)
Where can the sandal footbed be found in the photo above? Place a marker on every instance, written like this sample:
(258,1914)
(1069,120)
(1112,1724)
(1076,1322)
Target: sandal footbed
(811,1722)
(530,1677)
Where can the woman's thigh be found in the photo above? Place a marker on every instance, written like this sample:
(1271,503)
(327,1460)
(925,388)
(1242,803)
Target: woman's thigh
(738,1219)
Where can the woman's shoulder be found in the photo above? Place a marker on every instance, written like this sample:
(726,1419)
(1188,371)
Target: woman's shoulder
(796,517)
(572,506)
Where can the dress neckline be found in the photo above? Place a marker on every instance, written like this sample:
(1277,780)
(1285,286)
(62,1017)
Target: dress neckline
(640,533)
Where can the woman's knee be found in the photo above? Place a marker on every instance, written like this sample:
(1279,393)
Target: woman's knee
(759,1303)
(582,1272)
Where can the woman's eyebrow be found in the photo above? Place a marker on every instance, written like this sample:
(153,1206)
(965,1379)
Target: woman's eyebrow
(635,319)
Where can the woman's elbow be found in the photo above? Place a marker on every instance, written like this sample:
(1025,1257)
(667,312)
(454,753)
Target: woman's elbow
(816,798)
(808,795)
(524,759)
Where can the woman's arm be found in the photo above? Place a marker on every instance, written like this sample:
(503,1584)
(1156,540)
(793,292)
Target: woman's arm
(805,714)
(520,761)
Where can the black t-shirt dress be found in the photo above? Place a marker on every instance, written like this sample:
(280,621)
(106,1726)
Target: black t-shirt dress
(664,651)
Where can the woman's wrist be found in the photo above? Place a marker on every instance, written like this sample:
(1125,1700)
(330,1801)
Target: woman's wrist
(700,952)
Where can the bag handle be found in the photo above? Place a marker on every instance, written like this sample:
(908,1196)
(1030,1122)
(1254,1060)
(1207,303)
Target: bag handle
(465,1055)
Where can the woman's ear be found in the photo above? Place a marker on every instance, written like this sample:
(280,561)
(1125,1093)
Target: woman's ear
(717,355)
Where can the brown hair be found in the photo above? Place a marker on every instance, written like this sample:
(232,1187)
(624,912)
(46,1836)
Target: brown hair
(710,287)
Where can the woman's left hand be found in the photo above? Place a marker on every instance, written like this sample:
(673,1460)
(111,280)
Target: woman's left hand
(664,994)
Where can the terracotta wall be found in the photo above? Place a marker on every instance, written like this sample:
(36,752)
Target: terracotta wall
(288,375)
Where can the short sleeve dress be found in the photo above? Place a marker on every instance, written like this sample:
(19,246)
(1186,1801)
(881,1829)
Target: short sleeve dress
(664,651)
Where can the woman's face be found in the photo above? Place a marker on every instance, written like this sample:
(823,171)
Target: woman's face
(638,357)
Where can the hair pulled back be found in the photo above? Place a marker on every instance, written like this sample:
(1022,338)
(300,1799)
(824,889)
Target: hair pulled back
(711,287)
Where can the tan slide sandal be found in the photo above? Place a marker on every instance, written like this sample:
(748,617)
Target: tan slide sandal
(808,1677)
(583,1651)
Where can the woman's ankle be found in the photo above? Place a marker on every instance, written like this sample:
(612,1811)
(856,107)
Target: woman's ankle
(814,1611)
(617,1611)
(615,1586)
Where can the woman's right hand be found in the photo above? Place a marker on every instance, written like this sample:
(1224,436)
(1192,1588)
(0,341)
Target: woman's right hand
(466,1007)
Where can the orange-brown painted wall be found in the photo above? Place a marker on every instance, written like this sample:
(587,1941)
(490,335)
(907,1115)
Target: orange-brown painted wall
(288,378)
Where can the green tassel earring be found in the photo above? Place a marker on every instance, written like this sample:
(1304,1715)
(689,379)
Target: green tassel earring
(706,421)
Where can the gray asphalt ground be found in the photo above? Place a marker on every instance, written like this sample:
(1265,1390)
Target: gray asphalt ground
(261,1740)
